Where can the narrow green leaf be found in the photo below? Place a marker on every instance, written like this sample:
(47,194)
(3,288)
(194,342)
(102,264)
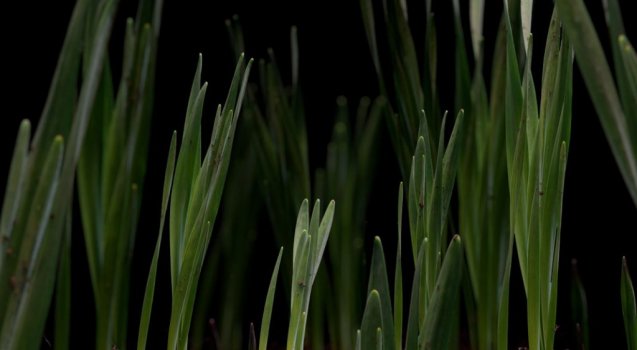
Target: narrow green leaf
(597,76)
(15,189)
(63,293)
(625,78)
(149,293)
(11,238)
(269,302)
(322,236)
(379,282)
(299,285)
(450,163)
(186,170)
(440,329)
(372,321)
(413,321)
(302,224)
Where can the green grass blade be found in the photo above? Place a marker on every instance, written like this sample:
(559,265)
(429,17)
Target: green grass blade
(462,75)
(269,303)
(90,176)
(441,327)
(450,163)
(629,307)
(185,172)
(323,233)
(299,284)
(14,195)
(63,293)
(379,282)
(413,321)
(372,321)
(149,293)
(624,73)
(629,89)
(599,81)
(15,185)
(30,250)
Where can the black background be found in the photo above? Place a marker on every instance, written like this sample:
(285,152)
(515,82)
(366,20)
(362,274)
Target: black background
(599,220)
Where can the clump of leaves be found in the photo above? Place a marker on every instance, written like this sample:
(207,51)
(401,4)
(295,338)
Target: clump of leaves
(616,110)
(194,188)
(37,204)
(310,239)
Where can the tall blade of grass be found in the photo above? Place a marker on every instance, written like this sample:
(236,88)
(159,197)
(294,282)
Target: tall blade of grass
(629,308)
(269,302)
(149,292)
(500,193)
(441,327)
(597,76)
(89,176)
(186,171)
(63,292)
(203,196)
(515,147)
